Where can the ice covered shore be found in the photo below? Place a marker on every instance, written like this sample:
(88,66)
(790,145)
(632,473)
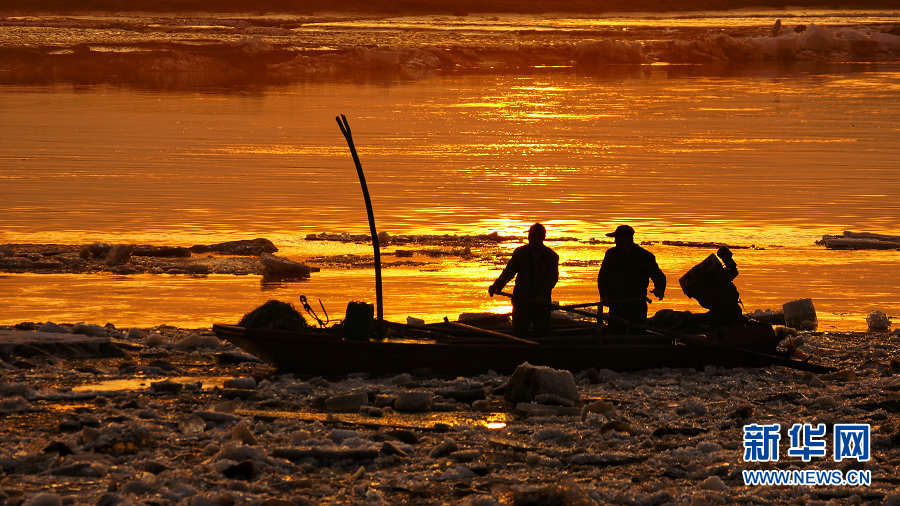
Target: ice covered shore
(242,257)
(195,421)
(210,50)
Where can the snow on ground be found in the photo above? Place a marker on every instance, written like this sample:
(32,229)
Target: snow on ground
(200,422)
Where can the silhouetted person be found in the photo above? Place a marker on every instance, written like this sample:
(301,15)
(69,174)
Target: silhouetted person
(776,28)
(624,277)
(714,289)
(536,269)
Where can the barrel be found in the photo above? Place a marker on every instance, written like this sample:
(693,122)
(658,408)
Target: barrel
(703,278)
(358,321)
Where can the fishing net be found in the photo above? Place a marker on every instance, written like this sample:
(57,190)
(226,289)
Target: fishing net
(274,315)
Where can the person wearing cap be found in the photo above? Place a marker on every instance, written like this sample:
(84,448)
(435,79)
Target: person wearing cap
(624,277)
(536,269)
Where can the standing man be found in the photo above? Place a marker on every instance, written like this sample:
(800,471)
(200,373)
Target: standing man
(624,277)
(536,269)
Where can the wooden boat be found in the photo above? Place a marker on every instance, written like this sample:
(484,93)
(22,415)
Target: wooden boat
(325,352)
(461,350)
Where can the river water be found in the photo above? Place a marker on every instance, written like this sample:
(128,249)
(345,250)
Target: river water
(769,155)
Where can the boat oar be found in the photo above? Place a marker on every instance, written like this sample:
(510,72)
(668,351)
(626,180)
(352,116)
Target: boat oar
(569,309)
(345,129)
(406,328)
(489,333)
(577,306)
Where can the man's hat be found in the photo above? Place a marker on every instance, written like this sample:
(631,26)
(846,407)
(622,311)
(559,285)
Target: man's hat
(622,231)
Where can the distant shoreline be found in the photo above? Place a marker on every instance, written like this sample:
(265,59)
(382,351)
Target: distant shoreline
(402,7)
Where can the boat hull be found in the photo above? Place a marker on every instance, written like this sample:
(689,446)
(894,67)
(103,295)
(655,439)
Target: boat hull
(319,353)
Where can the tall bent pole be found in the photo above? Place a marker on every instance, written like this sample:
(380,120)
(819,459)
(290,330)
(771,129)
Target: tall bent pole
(345,129)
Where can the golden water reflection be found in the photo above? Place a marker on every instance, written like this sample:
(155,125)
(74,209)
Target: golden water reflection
(772,161)
(844,285)
(425,421)
(144,382)
(687,153)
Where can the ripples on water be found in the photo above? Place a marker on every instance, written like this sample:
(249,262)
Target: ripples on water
(772,155)
(336,31)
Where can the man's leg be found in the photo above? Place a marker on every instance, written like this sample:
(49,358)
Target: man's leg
(632,311)
(541,319)
(522,317)
(616,326)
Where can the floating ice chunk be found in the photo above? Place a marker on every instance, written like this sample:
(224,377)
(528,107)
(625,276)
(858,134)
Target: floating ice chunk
(243,434)
(599,406)
(339,435)
(420,60)
(709,447)
(800,314)
(139,487)
(374,497)
(195,341)
(812,380)
(380,58)
(403,379)
(352,401)
(89,329)
(355,442)
(148,414)
(548,434)
(820,38)
(553,400)
(154,340)
(713,483)
(528,381)
(14,405)
(456,473)
(53,328)
(465,455)
(886,41)
(119,254)
(608,51)
(180,491)
(300,436)
(244,383)
(166,386)
(44,499)
(878,322)
(389,448)
(691,407)
(250,44)
(238,452)
(414,402)
(445,448)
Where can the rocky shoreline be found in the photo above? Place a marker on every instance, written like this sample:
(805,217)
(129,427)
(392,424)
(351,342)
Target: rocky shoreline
(202,423)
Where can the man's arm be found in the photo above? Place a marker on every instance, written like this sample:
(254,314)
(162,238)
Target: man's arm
(659,279)
(602,276)
(506,276)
